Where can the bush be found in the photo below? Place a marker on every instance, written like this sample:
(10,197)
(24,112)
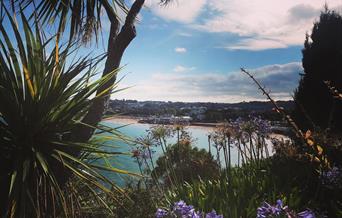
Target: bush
(184,163)
(241,194)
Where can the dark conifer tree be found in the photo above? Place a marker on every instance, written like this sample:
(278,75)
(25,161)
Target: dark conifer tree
(322,61)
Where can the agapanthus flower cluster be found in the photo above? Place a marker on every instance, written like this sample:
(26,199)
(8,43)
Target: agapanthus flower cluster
(238,125)
(181,210)
(161,213)
(213,214)
(254,124)
(268,210)
(263,127)
(332,177)
(306,214)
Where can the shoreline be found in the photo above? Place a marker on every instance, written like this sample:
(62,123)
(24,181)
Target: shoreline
(134,120)
(131,120)
(122,118)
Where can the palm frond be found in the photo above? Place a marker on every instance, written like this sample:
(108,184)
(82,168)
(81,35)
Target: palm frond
(83,16)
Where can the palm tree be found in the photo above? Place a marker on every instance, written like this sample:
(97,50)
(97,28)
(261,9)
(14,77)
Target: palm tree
(43,99)
(48,113)
(84,18)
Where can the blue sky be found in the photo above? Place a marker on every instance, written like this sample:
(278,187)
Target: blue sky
(192,50)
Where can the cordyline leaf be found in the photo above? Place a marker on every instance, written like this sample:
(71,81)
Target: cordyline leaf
(90,176)
(22,53)
(13,178)
(37,112)
(115,170)
(319,150)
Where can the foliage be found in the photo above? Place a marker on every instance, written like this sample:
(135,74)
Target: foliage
(312,147)
(43,97)
(184,163)
(241,194)
(137,201)
(84,17)
(268,210)
(248,136)
(315,106)
(180,161)
(180,209)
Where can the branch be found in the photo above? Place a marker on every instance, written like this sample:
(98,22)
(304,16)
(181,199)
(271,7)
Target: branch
(117,44)
(280,110)
(110,12)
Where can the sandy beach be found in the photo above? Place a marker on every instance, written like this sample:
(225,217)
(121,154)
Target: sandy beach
(122,119)
(134,120)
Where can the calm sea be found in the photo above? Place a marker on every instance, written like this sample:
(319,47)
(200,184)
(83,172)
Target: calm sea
(126,162)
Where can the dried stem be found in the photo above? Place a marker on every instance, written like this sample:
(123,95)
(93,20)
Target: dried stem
(280,110)
(333,90)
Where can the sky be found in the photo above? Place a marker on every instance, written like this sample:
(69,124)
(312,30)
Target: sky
(192,50)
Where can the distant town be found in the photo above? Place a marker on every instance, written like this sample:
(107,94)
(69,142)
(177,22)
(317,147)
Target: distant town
(160,112)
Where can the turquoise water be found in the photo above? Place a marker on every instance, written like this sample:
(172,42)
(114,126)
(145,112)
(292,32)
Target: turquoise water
(126,162)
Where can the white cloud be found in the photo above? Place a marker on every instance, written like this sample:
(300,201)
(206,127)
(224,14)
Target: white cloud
(214,87)
(180,50)
(266,24)
(182,69)
(256,44)
(259,25)
(184,11)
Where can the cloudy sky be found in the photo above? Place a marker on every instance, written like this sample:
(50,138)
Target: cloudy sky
(192,50)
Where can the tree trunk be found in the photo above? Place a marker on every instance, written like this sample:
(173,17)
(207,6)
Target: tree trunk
(117,44)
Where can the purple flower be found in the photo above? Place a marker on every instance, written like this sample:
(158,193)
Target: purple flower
(181,209)
(213,214)
(279,203)
(161,213)
(268,210)
(194,214)
(306,214)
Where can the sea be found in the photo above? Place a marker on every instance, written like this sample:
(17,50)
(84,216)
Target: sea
(133,130)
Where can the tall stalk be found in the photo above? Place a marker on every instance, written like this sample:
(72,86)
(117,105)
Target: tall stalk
(225,154)
(229,153)
(209,147)
(251,146)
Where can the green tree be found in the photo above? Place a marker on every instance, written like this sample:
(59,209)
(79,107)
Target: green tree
(322,61)
(184,163)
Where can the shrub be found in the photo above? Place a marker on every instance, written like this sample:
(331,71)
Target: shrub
(184,163)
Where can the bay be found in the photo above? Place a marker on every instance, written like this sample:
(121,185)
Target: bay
(133,130)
